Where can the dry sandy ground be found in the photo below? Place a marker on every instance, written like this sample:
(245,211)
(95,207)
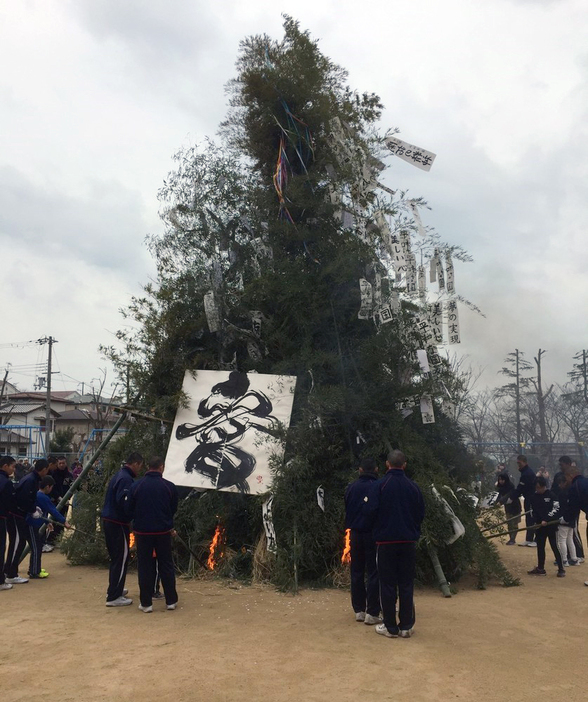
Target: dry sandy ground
(234,643)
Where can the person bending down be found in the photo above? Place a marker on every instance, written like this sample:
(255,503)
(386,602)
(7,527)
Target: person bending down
(545,509)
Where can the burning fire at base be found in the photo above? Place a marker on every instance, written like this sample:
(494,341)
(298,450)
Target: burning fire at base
(346,557)
(217,548)
(131,540)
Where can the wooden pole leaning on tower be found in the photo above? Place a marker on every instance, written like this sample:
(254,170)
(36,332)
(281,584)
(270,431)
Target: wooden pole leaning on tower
(82,476)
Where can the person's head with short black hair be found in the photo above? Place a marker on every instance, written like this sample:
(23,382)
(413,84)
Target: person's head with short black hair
(564,461)
(540,484)
(8,464)
(41,467)
(135,462)
(368,465)
(46,484)
(52,462)
(396,459)
(61,463)
(522,462)
(157,463)
(504,480)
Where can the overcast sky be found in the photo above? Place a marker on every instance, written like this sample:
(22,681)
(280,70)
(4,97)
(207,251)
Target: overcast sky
(96,96)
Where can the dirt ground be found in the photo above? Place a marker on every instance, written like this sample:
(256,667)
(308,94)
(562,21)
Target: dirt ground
(227,642)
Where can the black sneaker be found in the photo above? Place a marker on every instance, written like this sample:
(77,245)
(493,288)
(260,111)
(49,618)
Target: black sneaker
(538,571)
(158,595)
(561,573)
(572,563)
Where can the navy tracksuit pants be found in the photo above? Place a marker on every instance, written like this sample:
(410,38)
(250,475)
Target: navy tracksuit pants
(363,561)
(396,566)
(117,543)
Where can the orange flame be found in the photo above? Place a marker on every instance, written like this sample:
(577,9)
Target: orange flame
(346,557)
(131,540)
(216,550)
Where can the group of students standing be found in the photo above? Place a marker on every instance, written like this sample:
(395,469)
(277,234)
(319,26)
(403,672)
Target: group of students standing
(25,508)
(550,515)
(149,503)
(384,517)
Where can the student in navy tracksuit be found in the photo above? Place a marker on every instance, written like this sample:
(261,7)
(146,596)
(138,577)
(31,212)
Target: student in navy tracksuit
(397,508)
(577,494)
(39,519)
(526,490)
(18,530)
(116,526)
(7,495)
(545,509)
(569,471)
(366,605)
(152,503)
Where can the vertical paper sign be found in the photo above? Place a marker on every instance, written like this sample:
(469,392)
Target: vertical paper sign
(377,291)
(427,412)
(453,335)
(440,274)
(422,281)
(320,497)
(436,321)
(365,289)
(450,275)
(405,242)
(211,312)
(417,218)
(433,269)
(423,361)
(411,276)
(411,154)
(398,255)
(268,524)
(423,328)
(385,314)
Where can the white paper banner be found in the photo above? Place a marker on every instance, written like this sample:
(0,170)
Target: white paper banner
(365,289)
(411,154)
(422,281)
(440,275)
(435,359)
(436,321)
(449,270)
(417,218)
(423,361)
(268,524)
(411,276)
(211,312)
(453,335)
(427,412)
(433,269)
(396,252)
(424,329)
(377,290)
(320,497)
(385,314)
(405,242)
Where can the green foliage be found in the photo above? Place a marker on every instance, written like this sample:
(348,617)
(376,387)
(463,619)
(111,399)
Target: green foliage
(220,205)
(61,440)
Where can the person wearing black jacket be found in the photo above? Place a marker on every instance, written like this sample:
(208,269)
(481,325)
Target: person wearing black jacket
(19,534)
(116,526)
(566,470)
(577,492)
(545,508)
(396,509)
(366,604)
(526,490)
(7,495)
(512,505)
(63,479)
(153,501)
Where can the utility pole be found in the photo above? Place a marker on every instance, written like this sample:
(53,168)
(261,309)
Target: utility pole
(50,341)
(518,398)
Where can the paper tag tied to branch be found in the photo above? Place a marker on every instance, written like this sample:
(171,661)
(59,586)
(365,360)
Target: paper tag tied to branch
(211,311)
(411,154)
(268,524)
(427,412)
(365,289)
(320,497)
(452,322)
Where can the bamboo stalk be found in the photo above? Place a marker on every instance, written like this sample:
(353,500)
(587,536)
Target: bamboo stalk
(535,526)
(441,579)
(518,516)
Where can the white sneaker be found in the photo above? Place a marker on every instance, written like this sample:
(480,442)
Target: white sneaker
(172,606)
(383,631)
(6,586)
(406,633)
(125,591)
(531,544)
(524,543)
(146,609)
(119,602)
(586,583)
(47,548)
(370,619)
(580,560)
(17,581)
(360,616)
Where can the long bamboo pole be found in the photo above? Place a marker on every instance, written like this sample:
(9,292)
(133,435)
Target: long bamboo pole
(536,526)
(81,477)
(518,516)
(441,579)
